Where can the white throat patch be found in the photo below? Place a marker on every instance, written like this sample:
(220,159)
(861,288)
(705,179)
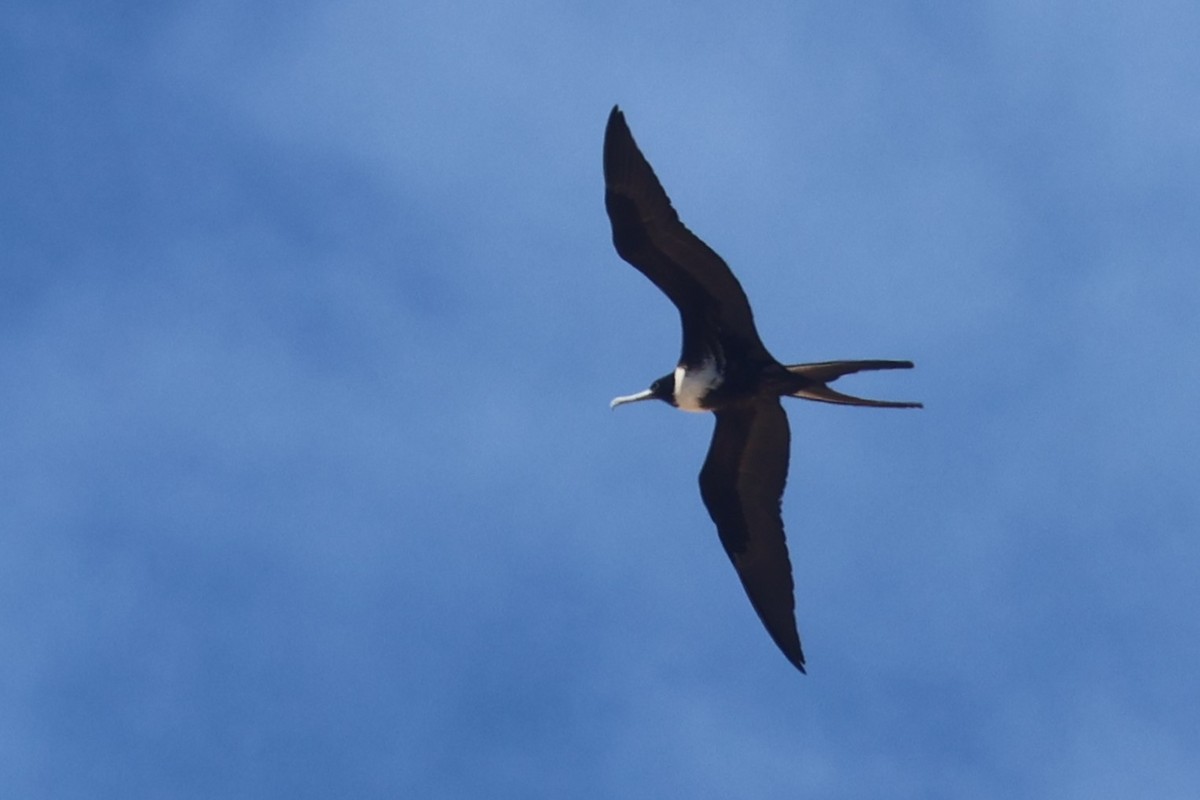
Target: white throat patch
(692,386)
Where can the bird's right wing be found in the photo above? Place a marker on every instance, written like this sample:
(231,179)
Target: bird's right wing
(742,485)
(648,234)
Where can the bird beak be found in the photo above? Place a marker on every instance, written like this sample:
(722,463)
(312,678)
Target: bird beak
(633,398)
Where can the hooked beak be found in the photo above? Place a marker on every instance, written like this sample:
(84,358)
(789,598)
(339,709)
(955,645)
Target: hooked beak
(632,398)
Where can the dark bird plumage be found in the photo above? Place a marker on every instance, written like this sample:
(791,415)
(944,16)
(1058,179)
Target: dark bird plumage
(724,368)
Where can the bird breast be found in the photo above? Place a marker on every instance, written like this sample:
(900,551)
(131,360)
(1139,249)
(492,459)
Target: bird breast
(693,385)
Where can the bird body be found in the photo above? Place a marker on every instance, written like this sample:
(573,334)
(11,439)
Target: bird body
(723,368)
(694,385)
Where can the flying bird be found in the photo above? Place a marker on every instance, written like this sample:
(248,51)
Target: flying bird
(723,368)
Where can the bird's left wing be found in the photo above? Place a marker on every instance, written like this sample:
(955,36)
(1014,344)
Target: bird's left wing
(742,485)
(648,234)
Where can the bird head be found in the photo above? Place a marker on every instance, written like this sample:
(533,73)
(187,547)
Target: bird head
(662,389)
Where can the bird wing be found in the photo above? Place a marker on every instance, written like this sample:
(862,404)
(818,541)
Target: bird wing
(742,485)
(648,234)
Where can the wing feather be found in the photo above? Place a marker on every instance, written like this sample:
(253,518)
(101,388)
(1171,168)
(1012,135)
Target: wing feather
(648,234)
(742,485)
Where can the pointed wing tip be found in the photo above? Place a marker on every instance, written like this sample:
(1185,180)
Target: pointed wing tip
(616,118)
(618,141)
(795,656)
(793,652)
(789,644)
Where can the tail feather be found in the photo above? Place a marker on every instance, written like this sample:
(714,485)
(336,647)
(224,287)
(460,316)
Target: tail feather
(827,371)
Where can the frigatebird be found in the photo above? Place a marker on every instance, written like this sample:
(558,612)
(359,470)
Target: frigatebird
(723,368)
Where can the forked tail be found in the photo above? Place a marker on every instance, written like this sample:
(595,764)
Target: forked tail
(827,371)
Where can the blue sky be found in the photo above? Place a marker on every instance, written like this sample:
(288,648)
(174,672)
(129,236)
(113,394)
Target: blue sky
(309,320)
